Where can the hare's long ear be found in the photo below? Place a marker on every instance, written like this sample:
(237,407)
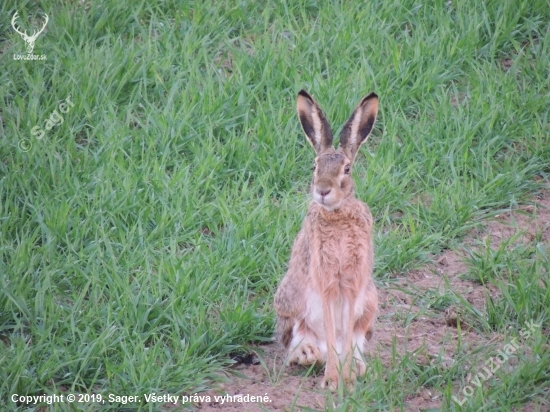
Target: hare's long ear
(314,123)
(359,126)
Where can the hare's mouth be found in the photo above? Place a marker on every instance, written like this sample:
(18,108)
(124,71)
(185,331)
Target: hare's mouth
(328,202)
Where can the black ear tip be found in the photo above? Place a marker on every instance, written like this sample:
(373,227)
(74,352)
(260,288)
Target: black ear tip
(369,98)
(305,94)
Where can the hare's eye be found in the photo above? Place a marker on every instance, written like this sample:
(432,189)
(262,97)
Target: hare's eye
(313,167)
(347,169)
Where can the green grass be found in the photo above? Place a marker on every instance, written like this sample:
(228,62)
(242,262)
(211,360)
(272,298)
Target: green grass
(142,239)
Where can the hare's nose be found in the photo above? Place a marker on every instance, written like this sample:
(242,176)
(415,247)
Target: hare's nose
(323,192)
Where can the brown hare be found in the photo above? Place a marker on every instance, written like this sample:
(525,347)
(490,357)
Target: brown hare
(326,303)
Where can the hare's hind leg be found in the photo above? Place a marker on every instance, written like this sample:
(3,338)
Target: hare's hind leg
(300,340)
(299,317)
(304,346)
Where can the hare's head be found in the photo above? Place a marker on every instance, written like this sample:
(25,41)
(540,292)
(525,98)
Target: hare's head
(332,182)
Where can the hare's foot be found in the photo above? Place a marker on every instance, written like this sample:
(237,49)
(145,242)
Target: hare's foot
(306,354)
(354,371)
(331,380)
(350,374)
(359,368)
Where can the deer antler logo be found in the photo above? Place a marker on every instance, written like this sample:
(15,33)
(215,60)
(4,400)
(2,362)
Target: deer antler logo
(29,39)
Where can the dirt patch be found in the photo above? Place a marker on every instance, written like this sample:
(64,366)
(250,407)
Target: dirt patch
(419,313)
(283,387)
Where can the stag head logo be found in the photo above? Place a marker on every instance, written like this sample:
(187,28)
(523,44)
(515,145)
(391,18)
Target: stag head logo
(29,39)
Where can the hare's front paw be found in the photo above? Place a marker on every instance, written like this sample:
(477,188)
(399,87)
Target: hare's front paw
(306,354)
(333,380)
(330,380)
(349,375)
(354,371)
(359,368)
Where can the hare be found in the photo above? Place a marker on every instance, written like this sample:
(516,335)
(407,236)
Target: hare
(326,303)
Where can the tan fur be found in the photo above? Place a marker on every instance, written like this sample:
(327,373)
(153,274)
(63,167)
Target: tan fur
(326,303)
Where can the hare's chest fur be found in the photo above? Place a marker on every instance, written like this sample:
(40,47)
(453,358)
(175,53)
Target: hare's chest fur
(341,247)
(341,257)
